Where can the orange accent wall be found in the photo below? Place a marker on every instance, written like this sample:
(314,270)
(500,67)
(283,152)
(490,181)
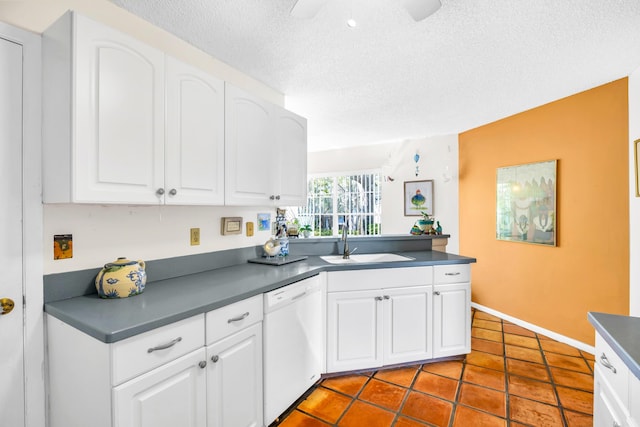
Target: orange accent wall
(588,270)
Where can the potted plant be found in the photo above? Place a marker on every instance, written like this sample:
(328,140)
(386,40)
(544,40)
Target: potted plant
(306,230)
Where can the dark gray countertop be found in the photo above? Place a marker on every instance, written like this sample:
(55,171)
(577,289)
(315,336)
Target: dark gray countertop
(622,333)
(167,301)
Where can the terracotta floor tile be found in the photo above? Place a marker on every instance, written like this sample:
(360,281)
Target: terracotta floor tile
(534,413)
(363,414)
(491,401)
(451,369)
(427,408)
(544,337)
(567,362)
(532,389)
(298,419)
(325,404)
(400,376)
(575,419)
(486,334)
(487,324)
(577,400)
(559,347)
(528,354)
(572,379)
(492,347)
(518,330)
(587,356)
(348,384)
(466,417)
(486,316)
(406,422)
(521,341)
(527,369)
(383,394)
(436,385)
(484,377)
(486,360)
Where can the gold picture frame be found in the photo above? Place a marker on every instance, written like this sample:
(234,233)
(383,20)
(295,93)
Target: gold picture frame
(637,165)
(526,203)
(231,225)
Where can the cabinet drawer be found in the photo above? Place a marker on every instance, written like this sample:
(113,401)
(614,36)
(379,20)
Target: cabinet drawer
(362,280)
(455,273)
(613,370)
(139,354)
(233,317)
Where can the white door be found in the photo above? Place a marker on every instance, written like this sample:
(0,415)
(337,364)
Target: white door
(451,319)
(194,149)
(171,395)
(11,328)
(354,330)
(249,149)
(234,380)
(407,324)
(291,175)
(119,122)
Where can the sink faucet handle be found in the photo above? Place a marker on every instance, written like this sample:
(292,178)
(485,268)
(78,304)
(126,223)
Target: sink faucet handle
(353,250)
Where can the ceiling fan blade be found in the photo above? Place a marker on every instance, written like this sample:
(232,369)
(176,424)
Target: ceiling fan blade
(306,8)
(420,9)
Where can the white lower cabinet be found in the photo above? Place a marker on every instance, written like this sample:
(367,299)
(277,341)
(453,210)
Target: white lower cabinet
(234,379)
(172,395)
(391,316)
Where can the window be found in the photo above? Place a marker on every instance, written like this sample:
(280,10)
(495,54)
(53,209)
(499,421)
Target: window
(333,201)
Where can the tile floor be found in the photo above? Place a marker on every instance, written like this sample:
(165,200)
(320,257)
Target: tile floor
(512,377)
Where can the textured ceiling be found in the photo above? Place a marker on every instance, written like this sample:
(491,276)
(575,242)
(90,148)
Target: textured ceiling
(391,78)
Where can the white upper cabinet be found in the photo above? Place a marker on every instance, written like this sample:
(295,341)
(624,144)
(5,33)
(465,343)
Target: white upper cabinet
(103,107)
(265,152)
(194,149)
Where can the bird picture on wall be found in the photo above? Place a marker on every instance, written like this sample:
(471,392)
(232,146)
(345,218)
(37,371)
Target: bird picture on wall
(418,197)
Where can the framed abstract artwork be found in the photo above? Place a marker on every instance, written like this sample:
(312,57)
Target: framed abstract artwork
(418,197)
(526,203)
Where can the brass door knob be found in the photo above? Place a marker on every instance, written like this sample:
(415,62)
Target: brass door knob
(7,305)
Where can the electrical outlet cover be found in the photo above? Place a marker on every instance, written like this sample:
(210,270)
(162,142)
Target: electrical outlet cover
(195,236)
(249,229)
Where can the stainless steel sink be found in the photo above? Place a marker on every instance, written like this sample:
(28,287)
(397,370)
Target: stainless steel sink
(364,258)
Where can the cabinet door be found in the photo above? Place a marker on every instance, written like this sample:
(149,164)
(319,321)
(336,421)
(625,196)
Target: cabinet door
(118,152)
(194,149)
(250,149)
(234,380)
(171,395)
(606,409)
(451,319)
(354,329)
(291,176)
(407,324)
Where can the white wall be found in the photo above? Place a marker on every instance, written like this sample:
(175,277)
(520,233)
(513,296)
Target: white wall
(396,161)
(634,202)
(103,233)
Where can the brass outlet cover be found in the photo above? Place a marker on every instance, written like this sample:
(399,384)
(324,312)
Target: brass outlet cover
(249,229)
(195,236)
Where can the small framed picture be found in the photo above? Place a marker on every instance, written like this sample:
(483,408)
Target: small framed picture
(231,225)
(264,221)
(418,197)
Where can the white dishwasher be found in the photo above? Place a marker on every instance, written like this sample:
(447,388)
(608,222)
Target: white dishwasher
(292,344)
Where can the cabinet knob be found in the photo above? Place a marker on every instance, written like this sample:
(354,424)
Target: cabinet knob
(278,197)
(173,192)
(215,358)
(160,191)
(378,298)
(203,364)
(272,197)
(386,297)
(436,292)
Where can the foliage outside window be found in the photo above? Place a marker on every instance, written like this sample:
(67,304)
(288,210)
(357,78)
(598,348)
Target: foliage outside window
(332,201)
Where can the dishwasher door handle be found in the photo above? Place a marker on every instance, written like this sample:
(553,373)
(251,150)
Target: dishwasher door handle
(299,296)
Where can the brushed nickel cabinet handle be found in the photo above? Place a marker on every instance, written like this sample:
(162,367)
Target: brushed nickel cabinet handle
(238,318)
(605,362)
(457,273)
(436,292)
(202,364)
(160,191)
(165,346)
(378,298)
(215,358)
(173,192)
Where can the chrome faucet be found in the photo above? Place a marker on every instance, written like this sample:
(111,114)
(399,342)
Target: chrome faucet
(345,234)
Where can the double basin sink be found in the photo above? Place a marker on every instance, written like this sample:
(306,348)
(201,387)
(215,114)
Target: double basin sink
(365,258)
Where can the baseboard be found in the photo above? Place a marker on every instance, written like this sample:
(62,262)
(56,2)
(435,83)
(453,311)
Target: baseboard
(537,329)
